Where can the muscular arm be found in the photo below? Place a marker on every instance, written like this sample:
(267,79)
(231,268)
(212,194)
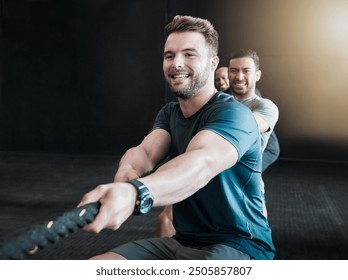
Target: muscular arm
(142,159)
(164,226)
(207,155)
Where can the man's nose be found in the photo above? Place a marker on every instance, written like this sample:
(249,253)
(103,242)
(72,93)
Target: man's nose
(178,62)
(239,76)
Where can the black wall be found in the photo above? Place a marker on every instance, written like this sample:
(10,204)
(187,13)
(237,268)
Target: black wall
(80,76)
(85,76)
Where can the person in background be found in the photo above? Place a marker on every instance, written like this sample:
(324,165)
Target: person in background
(272,150)
(221,79)
(212,176)
(243,73)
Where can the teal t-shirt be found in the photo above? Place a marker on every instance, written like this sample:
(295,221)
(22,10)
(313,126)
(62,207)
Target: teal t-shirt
(228,210)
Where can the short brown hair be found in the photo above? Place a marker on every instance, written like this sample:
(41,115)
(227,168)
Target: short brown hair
(246,53)
(203,26)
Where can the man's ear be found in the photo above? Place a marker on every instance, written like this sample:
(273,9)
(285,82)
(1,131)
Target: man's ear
(215,62)
(258,75)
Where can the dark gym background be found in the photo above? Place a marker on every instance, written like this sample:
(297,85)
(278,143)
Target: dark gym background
(83,79)
(86,76)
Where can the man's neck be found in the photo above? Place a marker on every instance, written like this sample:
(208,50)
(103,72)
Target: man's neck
(192,105)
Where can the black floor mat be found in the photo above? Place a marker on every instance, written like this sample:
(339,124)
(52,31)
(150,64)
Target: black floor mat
(306,201)
(308,209)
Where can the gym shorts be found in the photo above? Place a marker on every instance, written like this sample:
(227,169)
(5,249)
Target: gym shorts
(167,248)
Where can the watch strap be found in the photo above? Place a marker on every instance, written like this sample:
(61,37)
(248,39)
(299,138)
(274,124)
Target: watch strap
(142,190)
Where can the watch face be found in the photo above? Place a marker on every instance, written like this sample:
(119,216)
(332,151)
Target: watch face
(146,204)
(144,199)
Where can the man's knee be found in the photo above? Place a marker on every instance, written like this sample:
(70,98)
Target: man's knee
(108,256)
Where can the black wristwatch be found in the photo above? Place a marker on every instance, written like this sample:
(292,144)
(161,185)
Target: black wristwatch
(144,201)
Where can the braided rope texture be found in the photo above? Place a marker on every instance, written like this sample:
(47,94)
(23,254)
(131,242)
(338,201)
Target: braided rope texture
(38,237)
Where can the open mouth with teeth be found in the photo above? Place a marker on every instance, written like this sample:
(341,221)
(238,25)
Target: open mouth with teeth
(180,76)
(239,85)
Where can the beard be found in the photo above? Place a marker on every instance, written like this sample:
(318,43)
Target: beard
(240,91)
(192,88)
(188,91)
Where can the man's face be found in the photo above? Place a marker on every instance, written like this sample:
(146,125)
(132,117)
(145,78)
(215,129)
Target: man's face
(221,79)
(243,75)
(186,63)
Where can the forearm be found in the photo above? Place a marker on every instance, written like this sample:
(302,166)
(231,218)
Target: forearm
(178,179)
(134,164)
(143,158)
(206,156)
(185,174)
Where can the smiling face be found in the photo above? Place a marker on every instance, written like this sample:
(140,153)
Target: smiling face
(243,76)
(187,63)
(221,79)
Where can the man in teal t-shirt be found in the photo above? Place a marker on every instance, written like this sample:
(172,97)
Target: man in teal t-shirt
(213,172)
(228,210)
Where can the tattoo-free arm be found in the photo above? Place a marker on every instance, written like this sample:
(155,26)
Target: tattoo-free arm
(142,159)
(207,155)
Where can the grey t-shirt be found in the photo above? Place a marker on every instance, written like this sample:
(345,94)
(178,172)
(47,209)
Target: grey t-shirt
(267,110)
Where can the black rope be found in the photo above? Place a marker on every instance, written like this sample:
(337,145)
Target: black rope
(39,236)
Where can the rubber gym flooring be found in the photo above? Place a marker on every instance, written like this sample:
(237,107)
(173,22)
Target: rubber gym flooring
(307,204)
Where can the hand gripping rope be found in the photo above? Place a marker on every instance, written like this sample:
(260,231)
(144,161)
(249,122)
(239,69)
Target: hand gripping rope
(39,236)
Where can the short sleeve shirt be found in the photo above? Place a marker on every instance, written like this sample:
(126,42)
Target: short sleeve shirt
(267,110)
(228,210)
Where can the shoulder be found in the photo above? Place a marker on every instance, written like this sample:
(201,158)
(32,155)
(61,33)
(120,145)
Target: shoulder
(171,105)
(267,109)
(170,108)
(227,101)
(167,112)
(264,103)
(267,101)
(227,109)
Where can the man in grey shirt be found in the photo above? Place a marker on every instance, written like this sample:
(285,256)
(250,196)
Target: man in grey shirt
(243,74)
(272,150)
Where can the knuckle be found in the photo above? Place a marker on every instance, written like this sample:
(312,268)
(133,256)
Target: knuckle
(115,227)
(101,187)
(85,197)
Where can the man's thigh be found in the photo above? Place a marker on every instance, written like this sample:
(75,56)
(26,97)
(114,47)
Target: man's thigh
(169,249)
